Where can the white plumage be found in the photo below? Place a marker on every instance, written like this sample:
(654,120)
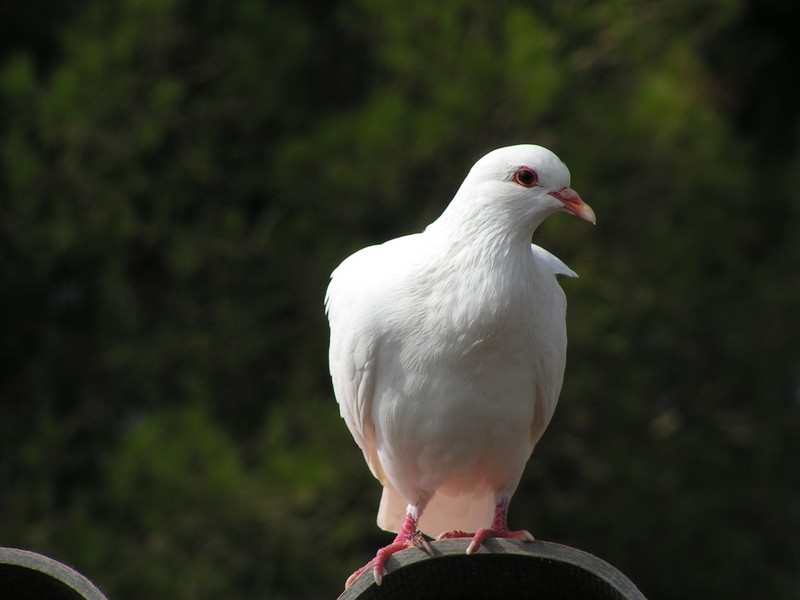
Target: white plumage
(448,346)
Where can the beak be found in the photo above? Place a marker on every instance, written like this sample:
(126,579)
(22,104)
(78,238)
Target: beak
(573,204)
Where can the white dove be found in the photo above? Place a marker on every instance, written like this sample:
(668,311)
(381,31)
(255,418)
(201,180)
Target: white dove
(447,351)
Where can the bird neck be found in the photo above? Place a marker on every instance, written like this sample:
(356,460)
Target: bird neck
(479,246)
(484,229)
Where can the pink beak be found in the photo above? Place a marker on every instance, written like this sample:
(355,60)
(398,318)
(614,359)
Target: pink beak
(572,203)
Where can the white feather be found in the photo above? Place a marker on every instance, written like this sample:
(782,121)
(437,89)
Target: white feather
(448,347)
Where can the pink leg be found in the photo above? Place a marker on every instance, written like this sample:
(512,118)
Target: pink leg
(499,529)
(408,537)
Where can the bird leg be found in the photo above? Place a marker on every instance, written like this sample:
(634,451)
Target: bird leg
(499,529)
(409,536)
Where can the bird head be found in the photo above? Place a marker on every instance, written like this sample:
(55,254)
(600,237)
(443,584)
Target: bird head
(516,188)
(530,175)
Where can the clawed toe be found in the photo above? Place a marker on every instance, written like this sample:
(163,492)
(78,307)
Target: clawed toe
(454,534)
(482,534)
(402,542)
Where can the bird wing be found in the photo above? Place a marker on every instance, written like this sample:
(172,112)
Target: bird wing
(552,360)
(555,264)
(352,353)
(356,303)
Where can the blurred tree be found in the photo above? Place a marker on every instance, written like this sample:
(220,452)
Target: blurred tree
(179,178)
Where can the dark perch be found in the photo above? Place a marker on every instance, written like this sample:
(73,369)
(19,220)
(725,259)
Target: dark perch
(500,569)
(26,575)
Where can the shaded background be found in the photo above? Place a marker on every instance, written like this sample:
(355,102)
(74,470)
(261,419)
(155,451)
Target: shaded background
(180,177)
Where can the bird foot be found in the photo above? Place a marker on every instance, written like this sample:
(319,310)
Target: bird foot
(482,534)
(402,542)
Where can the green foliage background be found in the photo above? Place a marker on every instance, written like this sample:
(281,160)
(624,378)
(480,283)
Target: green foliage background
(180,177)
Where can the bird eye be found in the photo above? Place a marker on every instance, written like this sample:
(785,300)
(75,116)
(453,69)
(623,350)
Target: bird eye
(526,177)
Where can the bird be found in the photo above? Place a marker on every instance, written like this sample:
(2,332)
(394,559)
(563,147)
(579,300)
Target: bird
(448,348)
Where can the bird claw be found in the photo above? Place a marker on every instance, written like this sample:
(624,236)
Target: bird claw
(414,540)
(482,534)
(352,579)
(375,565)
(454,534)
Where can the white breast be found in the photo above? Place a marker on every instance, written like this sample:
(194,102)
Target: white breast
(466,379)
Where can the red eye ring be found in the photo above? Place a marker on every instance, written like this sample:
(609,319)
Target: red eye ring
(526,177)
